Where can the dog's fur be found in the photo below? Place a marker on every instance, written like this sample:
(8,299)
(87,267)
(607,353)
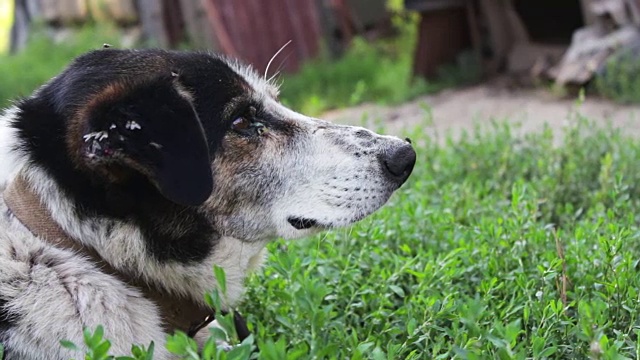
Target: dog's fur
(166,163)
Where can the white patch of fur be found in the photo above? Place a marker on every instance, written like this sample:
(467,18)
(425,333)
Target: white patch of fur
(203,335)
(98,135)
(132,125)
(328,169)
(10,161)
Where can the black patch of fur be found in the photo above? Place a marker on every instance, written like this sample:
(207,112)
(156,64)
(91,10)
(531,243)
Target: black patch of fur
(172,232)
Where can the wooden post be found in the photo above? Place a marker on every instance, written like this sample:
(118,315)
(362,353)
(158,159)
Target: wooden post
(152,22)
(442,34)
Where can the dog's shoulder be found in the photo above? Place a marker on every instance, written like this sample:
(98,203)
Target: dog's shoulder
(48,294)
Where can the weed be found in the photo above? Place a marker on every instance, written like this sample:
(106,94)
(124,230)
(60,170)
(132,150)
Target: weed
(620,78)
(98,347)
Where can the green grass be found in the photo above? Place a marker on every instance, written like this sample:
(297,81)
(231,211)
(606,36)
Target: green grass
(379,72)
(366,72)
(620,78)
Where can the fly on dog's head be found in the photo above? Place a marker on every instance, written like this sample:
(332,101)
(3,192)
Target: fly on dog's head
(148,127)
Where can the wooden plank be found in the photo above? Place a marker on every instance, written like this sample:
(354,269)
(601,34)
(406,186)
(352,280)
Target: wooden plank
(474,32)
(589,50)
(21,25)
(432,5)
(442,35)
(217,25)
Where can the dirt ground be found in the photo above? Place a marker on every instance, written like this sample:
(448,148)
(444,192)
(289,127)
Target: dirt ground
(459,109)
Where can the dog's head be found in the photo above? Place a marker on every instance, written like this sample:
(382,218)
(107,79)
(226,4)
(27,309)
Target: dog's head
(208,133)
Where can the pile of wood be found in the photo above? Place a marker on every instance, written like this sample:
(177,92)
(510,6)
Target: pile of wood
(507,38)
(612,25)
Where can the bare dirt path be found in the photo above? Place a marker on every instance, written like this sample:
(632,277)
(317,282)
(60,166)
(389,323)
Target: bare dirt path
(460,109)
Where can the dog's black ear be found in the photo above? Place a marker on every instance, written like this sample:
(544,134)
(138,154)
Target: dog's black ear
(152,128)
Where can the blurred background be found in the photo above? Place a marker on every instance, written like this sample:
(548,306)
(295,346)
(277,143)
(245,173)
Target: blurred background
(345,53)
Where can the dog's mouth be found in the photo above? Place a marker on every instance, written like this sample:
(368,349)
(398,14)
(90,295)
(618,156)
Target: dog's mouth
(303,223)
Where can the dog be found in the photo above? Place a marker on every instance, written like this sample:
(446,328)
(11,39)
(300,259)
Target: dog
(134,172)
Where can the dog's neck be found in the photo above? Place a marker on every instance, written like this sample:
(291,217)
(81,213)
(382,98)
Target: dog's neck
(176,313)
(122,245)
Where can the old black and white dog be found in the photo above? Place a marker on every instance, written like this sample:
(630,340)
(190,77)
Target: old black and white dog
(163,164)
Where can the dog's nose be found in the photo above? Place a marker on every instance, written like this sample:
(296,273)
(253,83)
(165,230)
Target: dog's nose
(398,162)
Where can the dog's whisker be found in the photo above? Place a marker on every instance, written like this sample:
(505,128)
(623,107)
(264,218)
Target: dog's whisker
(266,71)
(279,67)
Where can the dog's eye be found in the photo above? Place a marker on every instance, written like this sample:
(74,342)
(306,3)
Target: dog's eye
(241,124)
(248,124)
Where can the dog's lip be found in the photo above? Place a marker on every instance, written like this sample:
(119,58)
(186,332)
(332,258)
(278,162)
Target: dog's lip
(302,223)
